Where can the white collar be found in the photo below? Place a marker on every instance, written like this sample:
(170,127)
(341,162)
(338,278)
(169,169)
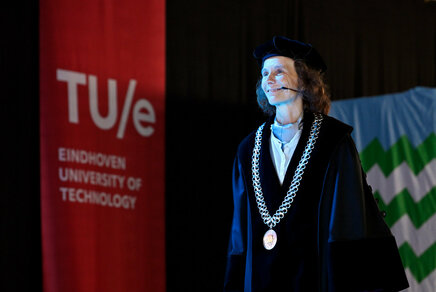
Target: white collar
(285,133)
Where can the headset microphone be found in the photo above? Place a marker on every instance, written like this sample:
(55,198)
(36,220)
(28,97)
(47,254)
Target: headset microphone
(299,91)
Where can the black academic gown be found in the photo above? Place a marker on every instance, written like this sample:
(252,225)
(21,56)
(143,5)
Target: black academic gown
(333,237)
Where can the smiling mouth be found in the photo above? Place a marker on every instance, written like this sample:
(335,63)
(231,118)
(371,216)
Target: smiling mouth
(274,89)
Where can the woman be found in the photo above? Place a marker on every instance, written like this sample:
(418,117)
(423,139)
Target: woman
(304,217)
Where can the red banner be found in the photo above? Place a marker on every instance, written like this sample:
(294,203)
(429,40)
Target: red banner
(102,101)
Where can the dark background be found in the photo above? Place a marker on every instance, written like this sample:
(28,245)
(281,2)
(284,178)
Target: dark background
(370,48)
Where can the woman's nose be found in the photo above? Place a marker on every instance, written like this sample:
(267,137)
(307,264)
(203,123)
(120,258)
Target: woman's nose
(270,78)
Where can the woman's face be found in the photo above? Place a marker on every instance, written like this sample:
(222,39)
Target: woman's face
(278,72)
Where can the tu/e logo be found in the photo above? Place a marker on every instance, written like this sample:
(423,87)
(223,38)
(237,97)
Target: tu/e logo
(142,110)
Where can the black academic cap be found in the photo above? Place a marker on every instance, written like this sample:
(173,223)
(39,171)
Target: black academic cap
(282,46)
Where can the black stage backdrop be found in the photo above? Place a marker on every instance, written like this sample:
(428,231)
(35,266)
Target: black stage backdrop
(371,48)
(20,237)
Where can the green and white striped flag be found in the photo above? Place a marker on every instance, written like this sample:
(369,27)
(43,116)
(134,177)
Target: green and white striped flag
(396,140)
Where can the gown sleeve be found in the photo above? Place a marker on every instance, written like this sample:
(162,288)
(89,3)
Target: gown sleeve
(235,269)
(357,249)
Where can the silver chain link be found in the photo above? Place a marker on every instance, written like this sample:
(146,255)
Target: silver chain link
(299,171)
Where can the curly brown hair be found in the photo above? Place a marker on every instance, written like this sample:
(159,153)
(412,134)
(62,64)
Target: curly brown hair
(313,87)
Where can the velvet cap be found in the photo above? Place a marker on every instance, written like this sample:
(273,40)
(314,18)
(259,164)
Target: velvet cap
(282,46)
